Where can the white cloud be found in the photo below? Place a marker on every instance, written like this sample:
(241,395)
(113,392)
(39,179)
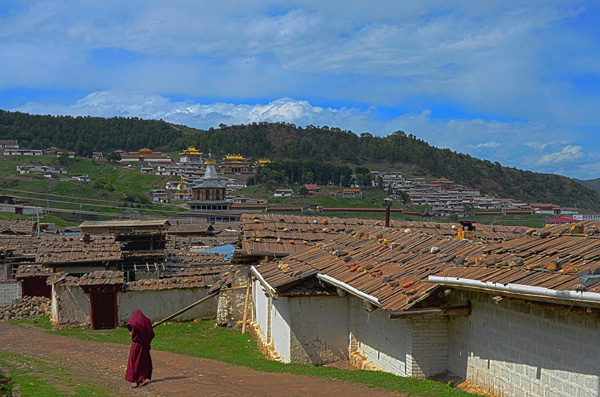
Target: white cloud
(567,154)
(489,144)
(506,142)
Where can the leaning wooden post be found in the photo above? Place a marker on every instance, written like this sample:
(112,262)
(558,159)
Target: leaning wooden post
(185,309)
(246,305)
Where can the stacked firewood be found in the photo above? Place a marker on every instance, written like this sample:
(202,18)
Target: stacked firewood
(26,307)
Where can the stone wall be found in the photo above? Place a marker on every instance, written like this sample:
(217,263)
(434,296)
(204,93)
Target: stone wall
(232,299)
(70,305)
(527,349)
(9,290)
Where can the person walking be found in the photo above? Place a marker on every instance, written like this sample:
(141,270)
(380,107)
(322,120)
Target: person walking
(139,365)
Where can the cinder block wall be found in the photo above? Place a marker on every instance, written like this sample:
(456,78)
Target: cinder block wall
(429,346)
(9,290)
(386,343)
(517,348)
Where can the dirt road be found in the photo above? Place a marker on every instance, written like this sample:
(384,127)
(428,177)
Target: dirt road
(174,375)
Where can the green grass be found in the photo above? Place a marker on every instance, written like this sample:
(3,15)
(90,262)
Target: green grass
(39,377)
(113,187)
(207,340)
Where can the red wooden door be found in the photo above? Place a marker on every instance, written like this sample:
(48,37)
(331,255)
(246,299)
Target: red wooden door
(103,310)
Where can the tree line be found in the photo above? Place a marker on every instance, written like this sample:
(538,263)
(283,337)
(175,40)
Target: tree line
(285,142)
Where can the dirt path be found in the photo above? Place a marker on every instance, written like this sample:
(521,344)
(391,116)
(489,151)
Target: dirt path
(174,375)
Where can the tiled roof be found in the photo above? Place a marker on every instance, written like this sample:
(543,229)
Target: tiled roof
(172,283)
(100,277)
(21,245)
(70,249)
(394,266)
(24,271)
(291,234)
(126,223)
(16,226)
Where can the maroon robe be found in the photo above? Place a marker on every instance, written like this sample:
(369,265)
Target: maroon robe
(139,365)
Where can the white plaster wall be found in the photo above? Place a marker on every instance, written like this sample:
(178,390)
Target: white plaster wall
(516,348)
(319,329)
(9,291)
(280,328)
(261,305)
(160,304)
(70,305)
(386,343)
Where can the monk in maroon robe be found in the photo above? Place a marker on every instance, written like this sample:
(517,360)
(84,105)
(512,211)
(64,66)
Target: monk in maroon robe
(139,366)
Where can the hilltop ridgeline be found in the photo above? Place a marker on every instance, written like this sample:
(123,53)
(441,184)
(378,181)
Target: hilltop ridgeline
(282,141)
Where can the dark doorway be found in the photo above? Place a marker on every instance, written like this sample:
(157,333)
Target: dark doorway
(103,310)
(36,286)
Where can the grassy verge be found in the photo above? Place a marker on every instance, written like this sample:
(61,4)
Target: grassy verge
(36,377)
(207,340)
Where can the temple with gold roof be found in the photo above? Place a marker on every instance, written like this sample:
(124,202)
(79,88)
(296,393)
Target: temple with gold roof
(234,164)
(191,155)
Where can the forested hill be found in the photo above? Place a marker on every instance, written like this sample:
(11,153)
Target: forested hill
(281,141)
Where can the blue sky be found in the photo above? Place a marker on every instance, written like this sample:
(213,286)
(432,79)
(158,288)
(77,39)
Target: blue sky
(509,81)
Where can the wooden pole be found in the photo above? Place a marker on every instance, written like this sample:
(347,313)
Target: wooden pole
(185,309)
(246,305)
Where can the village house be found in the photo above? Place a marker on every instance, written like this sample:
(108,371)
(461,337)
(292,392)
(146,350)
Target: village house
(9,144)
(313,189)
(283,193)
(27,169)
(352,193)
(22,152)
(70,155)
(81,178)
(512,317)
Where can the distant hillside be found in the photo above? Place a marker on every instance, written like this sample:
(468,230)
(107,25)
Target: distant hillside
(591,183)
(281,141)
(397,151)
(86,134)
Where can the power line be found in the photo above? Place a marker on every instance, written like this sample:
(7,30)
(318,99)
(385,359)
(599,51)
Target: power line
(89,205)
(76,198)
(117,205)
